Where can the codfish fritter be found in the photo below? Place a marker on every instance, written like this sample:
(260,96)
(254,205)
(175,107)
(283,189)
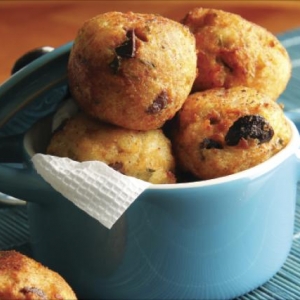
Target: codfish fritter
(224,131)
(23,278)
(235,52)
(132,70)
(145,155)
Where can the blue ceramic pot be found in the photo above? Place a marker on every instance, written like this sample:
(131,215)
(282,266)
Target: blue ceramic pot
(215,239)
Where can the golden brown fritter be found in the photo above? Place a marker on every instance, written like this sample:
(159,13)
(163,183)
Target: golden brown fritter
(24,278)
(145,155)
(132,70)
(233,51)
(224,131)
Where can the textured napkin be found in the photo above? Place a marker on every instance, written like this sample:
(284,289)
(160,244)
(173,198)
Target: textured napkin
(94,187)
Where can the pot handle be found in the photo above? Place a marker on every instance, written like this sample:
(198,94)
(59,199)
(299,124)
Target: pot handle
(24,184)
(29,57)
(18,179)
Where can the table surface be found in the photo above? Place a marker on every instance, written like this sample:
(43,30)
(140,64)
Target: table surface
(55,23)
(29,24)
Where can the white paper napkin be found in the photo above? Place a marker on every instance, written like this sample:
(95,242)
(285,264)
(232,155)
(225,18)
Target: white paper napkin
(94,187)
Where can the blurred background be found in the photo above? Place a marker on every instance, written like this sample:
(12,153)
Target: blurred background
(25,25)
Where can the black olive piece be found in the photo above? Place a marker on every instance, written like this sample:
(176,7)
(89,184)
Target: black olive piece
(158,104)
(115,64)
(128,48)
(249,127)
(29,57)
(210,144)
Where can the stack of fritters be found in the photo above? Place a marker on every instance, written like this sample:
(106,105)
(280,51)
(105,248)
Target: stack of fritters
(215,75)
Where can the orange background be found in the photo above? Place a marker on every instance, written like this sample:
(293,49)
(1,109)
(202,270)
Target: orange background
(25,25)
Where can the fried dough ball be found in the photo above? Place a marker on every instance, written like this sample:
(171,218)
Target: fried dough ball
(235,52)
(224,131)
(145,155)
(24,278)
(132,70)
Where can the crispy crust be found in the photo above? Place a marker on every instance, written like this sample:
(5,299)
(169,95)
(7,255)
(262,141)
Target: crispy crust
(233,51)
(145,155)
(23,278)
(132,70)
(206,118)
